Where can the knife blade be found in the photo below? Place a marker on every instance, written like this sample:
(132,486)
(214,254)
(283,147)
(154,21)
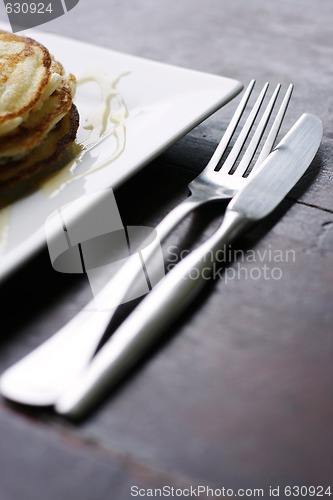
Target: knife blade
(260,196)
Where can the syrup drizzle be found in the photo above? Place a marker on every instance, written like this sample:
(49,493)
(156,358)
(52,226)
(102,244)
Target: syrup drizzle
(107,121)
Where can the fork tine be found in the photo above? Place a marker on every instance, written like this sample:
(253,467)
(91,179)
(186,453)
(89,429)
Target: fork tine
(221,148)
(234,153)
(252,147)
(269,143)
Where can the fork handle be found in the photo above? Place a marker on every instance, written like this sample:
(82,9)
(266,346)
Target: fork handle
(143,327)
(41,376)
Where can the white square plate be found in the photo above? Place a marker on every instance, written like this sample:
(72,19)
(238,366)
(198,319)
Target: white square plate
(153,105)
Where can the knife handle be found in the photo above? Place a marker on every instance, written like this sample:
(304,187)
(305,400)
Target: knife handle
(144,326)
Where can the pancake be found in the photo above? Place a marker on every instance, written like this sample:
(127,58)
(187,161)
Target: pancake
(35,128)
(38,120)
(44,157)
(25,70)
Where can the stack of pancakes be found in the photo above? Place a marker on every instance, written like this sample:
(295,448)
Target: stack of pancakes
(38,120)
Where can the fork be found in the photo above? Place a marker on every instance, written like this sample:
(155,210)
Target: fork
(41,376)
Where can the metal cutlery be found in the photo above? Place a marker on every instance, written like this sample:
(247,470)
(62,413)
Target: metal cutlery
(40,377)
(259,197)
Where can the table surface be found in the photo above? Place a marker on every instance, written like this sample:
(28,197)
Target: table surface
(240,392)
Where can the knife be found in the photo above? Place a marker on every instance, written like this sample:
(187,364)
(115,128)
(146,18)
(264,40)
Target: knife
(260,196)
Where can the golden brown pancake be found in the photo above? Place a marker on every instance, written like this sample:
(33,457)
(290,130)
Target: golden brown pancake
(44,156)
(24,74)
(37,117)
(32,131)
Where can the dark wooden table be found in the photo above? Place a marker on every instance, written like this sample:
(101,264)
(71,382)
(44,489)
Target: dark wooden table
(240,392)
